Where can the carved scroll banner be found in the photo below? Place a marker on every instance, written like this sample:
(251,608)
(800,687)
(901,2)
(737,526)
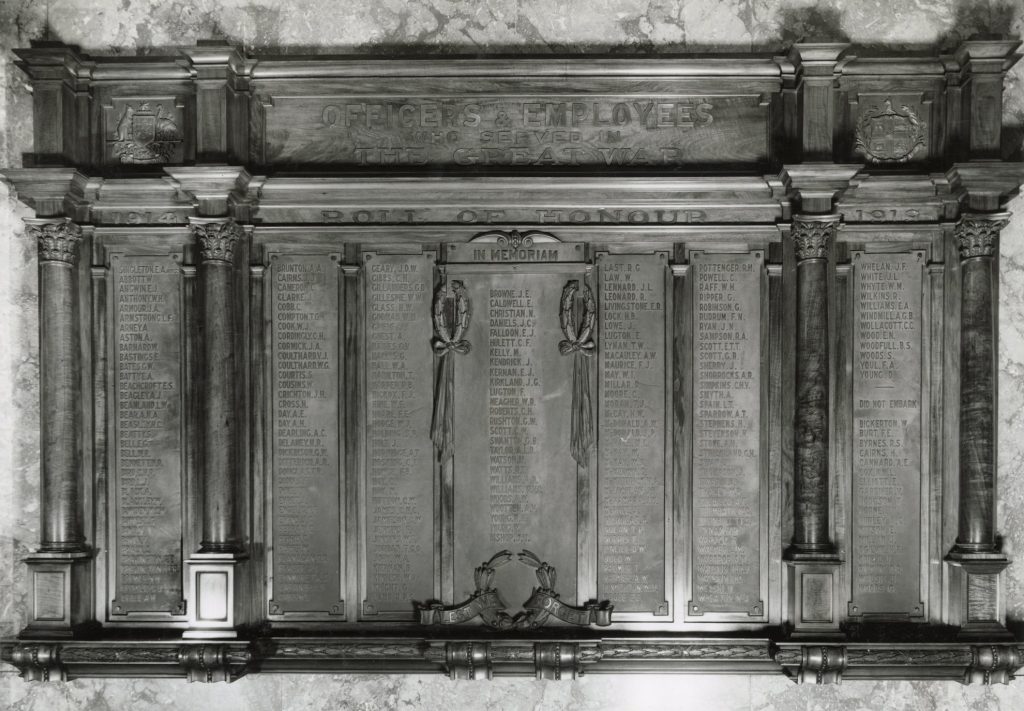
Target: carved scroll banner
(514,478)
(147,355)
(633,467)
(399,485)
(887,388)
(546,131)
(306,506)
(727,491)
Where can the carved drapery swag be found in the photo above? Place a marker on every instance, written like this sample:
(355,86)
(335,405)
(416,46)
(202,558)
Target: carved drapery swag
(579,341)
(448,340)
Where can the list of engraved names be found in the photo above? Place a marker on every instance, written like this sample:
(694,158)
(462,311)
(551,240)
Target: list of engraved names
(886,431)
(400,473)
(631,495)
(306,473)
(726,433)
(513,391)
(147,304)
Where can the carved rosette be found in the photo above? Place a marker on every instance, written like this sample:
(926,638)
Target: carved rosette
(811,238)
(976,233)
(58,241)
(217,239)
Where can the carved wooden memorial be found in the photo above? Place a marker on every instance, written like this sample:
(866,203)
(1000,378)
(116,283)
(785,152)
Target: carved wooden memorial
(534,367)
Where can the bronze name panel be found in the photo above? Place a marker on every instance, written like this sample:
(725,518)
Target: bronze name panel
(888,513)
(147,406)
(634,467)
(306,520)
(399,489)
(726,489)
(515,481)
(624,130)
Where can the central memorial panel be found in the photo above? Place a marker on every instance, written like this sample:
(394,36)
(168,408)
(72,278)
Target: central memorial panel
(515,479)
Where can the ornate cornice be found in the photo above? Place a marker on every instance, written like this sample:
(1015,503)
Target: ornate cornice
(812,235)
(976,233)
(58,240)
(217,238)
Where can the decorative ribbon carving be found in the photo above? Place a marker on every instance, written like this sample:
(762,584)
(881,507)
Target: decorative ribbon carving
(487,603)
(579,342)
(448,339)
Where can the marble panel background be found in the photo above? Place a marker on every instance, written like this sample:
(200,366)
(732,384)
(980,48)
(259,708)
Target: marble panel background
(446,26)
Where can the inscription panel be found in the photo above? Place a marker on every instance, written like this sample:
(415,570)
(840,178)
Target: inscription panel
(515,481)
(147,448)
(887,433)
(632,469)
(305,502)
(399,523)
(483,130)
(726,484)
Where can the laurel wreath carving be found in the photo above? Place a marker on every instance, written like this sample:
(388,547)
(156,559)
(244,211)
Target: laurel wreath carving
(448,337)
(577,341)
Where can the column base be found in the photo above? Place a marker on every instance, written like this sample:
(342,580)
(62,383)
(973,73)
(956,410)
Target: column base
(814,594)
(60,594)
(215,609)
(976,603)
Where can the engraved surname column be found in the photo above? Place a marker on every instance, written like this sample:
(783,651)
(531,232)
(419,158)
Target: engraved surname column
(213,575)
(811,554)
(148,445)
(976,556)
(59,568)
(399,466)
(726,545)
(306,474)
(631,421)
(887,388)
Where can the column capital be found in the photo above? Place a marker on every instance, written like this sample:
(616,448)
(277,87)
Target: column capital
(217,237)
(58,239)
(976,233)
(812,235)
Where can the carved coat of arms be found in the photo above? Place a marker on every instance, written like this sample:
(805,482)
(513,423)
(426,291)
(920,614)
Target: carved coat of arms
(886,135)
(144,135)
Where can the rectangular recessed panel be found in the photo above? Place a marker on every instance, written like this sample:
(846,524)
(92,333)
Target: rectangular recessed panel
(726,485)
(306,474)
(514,477)
(632,467)
(541,131)
(48,588)
(817,597)
(399,453)
(887,357)
(212,591)
(147,393)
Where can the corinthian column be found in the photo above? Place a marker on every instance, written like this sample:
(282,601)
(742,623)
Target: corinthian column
(214,599)
(811,554)
(217,239)
(976,605)
(59,569)
(812,239)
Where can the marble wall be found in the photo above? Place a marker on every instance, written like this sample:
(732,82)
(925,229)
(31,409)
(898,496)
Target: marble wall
(467,26)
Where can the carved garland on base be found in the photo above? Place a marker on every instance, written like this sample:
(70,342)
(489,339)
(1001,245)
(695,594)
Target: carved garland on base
(487,604)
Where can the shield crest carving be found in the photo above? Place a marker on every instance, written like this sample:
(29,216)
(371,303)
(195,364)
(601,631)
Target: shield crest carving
(886,135)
